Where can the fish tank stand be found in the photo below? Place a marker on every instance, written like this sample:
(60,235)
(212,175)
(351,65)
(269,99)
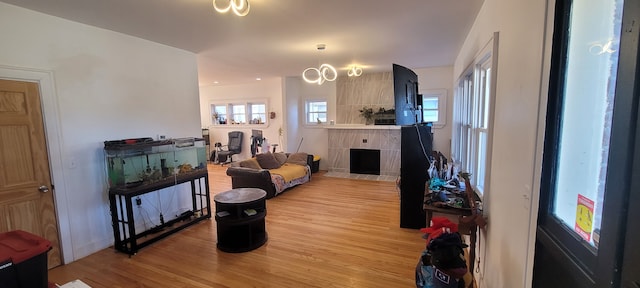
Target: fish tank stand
(136,167)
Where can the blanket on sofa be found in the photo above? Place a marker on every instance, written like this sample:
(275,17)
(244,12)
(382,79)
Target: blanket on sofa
(289,171)
(280,185)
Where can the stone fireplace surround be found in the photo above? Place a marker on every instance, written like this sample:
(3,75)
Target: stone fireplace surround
(385,138)
(353,93)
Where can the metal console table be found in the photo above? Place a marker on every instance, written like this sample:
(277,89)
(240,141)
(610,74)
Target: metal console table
(129,241)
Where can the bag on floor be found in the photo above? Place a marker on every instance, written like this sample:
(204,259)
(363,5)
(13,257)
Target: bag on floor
(424,271)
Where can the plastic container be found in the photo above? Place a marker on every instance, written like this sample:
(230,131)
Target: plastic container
(23,260)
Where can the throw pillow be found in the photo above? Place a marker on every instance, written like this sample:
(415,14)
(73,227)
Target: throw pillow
(267,161)
(250,163)
(299,158)
(281,157)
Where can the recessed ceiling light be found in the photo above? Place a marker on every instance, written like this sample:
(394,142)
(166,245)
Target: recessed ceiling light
(258,78)
(216,82)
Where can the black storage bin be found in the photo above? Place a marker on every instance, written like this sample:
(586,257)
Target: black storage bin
(316,164)
(23,260)
(240,218)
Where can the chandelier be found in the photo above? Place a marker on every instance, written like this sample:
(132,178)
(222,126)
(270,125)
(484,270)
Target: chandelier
(354,71)
(325,72)
(319,75)
(239,7)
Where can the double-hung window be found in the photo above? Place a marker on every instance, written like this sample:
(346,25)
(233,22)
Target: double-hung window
(434,107)
(257,113)
(238,113)
(316,111)
(430,109)
(218,114)
(471,139)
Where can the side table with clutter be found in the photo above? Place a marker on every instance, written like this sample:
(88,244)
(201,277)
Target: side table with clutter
(442,263)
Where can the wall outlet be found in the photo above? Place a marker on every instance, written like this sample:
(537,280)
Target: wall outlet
(162,137)
(364,141)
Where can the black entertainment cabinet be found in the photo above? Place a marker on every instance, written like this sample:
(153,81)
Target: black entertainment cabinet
(416,145)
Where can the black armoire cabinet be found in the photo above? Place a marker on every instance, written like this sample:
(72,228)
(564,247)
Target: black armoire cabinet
(416,144)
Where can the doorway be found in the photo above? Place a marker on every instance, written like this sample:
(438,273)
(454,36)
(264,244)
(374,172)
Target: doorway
(26,189)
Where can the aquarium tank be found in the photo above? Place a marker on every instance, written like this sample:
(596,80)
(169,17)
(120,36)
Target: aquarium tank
(142,162)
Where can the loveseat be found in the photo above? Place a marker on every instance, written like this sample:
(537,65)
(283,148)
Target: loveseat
(272,172)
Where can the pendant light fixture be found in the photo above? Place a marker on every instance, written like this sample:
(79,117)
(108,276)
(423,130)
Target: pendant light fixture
(324,72)
(354,71)
(239,7)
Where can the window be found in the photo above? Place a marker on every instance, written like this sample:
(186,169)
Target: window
(472,118)
(257,113)
(238,113)
(482,120)
(218,114)
(434,107)
(316,111)
(430,109)
(254,113)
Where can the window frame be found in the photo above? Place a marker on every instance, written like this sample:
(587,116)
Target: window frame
(307,111)
(212,110)
(239,117)
(441,95)
(473,116)
(251,115)
(248,113)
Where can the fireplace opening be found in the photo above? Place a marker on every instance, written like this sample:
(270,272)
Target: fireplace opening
(364,161)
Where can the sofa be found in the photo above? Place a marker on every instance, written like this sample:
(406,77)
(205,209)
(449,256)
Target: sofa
(272,172)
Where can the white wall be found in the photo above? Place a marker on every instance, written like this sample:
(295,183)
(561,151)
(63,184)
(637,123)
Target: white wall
(266,90)
(291,113)
(312,139)
(435,78)
(105,86)
(508,203)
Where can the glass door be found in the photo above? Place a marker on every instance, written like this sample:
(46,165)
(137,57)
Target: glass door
(588,149)
(586,111)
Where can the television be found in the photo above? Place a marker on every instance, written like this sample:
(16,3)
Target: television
(405,90)
(256,141)
(256,134)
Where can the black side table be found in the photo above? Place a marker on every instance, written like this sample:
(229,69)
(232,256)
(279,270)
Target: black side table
(240,215)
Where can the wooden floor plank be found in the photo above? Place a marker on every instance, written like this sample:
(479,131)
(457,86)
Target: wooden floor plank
(330,232)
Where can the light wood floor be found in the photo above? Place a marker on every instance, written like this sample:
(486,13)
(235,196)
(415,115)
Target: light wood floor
(330,232)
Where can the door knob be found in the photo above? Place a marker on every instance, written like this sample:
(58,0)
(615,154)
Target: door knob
(43,189)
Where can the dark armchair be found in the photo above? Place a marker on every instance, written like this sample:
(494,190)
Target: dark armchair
(234,147)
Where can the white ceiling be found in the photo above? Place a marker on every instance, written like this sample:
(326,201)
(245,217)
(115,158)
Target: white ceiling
(278,38)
